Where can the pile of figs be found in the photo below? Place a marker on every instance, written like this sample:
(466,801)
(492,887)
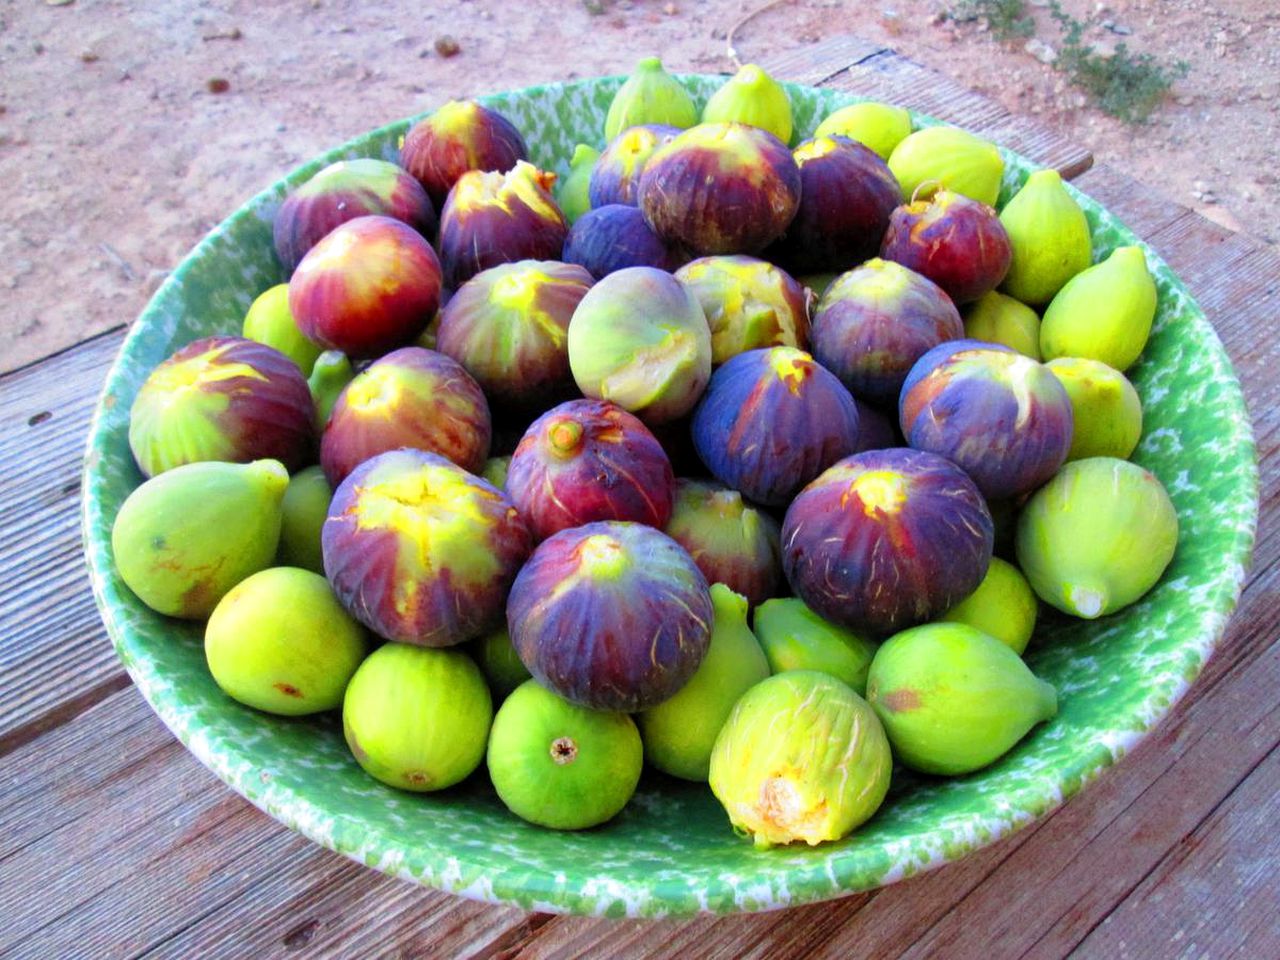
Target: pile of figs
(751,461)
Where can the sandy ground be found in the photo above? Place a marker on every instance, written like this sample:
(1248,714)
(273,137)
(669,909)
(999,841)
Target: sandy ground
(128,127)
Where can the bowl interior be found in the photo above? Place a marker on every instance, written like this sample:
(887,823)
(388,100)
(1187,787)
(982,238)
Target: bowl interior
(671,851)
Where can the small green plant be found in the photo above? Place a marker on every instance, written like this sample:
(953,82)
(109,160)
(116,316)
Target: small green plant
(1006,19)
(1126,85)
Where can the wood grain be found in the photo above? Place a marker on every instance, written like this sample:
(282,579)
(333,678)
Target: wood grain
(54,655)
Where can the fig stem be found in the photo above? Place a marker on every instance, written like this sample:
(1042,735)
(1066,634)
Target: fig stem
(932,186)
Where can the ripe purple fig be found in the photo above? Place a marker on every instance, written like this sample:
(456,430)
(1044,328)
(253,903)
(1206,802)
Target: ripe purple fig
(460,136)
(614,237)
(616,175)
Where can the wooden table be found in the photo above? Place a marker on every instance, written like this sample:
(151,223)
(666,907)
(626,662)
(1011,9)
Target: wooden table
(115,842)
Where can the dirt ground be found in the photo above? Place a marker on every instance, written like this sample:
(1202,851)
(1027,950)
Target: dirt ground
(128,128)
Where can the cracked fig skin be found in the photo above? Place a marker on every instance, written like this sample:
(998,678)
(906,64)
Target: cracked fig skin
(611,615)
(887,539)
(801,757)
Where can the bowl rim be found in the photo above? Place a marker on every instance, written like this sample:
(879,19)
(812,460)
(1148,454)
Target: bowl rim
(812,883)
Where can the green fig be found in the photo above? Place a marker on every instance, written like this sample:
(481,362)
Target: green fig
(752,97)
(996,318)
(650,95)
(184,538)
(1105,407)
(281,642)
(500,663)
(953,699)
(1103,313)
(416,717)
(561,765)
(303,511)
(679,733)
(571,189)
(1003,606)
(1097,536)
(796,638)
(495,471)
(876,125)
(270,321)
(1049,237)
(951,158)
(801,757)
(329,377)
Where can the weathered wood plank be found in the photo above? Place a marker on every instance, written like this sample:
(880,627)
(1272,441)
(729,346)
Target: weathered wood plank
(53,652)
(815,64)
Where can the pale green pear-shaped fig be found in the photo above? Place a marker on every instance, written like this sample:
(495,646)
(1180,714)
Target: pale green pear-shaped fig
(996,318)
(416,717)
(1097,536)
(1048,237)
(1105,407)
(1103,313)
(876,125)
(302,513)
(270,321)
(281,642)
(500,663)
(679,733)
(951,158)
(184,538)
(796,638)
(953,699)
(801,757)
(752,97)
(1003,606)
(571,190)
(330,375)
(650,95)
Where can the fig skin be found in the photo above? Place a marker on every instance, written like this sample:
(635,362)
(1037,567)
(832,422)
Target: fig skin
(939,726)
(847,195)
(280,642)
(269,321)
(495,471)
(420,551)
(650,95)
(951,157)
(887,539)
(616,175)
(1096,537)
(222,398)
(721,188)
(796,638)
(876,430)
(572,190)
(329,377)
(956,242)
(752,97)
(343,191)
(509,326)
(997,318)
(410,398)
(801,757)
(302,514)
(458,137)
(561,765)
(184,538)
(500,663)
(417,719)
(732,542)
(875,322)
(610,615)
(1002,417)
(368,287)
(1103,313)
(1002,607)
(640,340)
(1049,238)
(680,733)
(493,218)
(749,303)
(615,237)
(772,420)
(1105,407)
(876,125)
(589,460)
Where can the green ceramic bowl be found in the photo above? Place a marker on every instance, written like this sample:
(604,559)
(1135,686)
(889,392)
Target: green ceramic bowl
(671,851)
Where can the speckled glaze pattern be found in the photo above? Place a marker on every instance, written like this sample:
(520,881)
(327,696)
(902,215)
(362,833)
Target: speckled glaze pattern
(671,851)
